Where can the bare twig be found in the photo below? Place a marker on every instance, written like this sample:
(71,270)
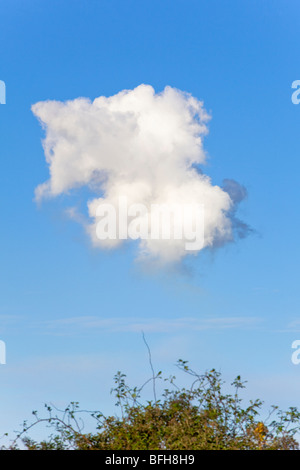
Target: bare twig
(151,365)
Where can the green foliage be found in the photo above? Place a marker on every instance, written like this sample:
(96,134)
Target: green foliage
(200,417)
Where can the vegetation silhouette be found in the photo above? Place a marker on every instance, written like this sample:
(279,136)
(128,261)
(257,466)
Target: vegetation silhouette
(199,417)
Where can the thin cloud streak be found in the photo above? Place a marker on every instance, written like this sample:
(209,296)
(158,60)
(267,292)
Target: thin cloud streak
(153,325)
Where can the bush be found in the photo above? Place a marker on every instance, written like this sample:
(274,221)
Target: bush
(200,417)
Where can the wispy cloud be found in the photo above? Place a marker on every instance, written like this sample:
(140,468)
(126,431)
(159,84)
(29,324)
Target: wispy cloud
(292,326)
(151,325)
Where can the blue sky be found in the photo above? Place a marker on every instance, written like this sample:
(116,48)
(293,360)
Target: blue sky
(72,315)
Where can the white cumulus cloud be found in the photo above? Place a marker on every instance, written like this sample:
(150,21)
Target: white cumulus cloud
(141,145)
